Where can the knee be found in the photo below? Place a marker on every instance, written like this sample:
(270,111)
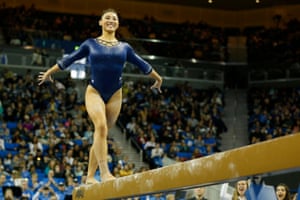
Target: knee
(101,129)
(110,124)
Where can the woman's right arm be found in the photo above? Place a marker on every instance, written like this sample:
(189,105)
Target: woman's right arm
(44,76)
(62,64)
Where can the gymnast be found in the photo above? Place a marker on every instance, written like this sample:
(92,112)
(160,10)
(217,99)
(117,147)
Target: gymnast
(103,98)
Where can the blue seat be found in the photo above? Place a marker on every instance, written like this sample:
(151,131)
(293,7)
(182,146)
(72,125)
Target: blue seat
(11,125)
(42,177)
(156,127)
(184,155)
(3,153)
(45,149)
(203,150)
(59,180)
(167,147)
(78,142)
(11,146)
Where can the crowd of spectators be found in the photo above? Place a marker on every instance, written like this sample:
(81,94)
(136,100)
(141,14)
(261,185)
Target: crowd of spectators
(273,112)
(277,44)
(183,123)
(45,136)
(180,40)
(202,41)
(45,133)
(21,25)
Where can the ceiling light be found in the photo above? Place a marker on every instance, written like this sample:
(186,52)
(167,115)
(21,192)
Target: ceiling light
(210,1)
(257,1)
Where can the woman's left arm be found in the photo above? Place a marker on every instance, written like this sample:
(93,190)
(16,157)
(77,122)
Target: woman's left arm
(158,80)
(145,67)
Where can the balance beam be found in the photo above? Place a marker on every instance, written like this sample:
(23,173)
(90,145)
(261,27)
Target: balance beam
(276,155)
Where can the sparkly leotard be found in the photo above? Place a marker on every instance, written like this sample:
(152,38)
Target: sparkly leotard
(106,63)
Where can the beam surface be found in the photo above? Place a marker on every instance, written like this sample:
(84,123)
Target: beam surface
(276,155)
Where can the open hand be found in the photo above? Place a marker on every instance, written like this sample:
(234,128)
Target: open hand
(43,76)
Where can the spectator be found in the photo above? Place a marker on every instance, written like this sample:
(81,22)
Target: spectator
(26,190)
(156,156)
(2,146)
(126,171)
(239,190)
(61,190)
(196,194)
(45,193)
(9,194)
(37,58)
(3,57)
(283,192)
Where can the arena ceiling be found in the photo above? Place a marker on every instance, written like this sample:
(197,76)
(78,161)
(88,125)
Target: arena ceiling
(228,4)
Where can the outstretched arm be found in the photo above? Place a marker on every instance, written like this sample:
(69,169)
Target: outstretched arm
(65,62)
(158,80)
(44,76)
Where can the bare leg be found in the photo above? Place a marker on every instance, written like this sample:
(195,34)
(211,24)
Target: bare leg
(92,167)
(98,151)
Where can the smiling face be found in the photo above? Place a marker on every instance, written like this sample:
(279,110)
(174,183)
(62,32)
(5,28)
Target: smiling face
(109,22)
(242,187)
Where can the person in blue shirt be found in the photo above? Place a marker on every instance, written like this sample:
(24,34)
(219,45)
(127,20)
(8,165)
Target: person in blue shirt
(26,191)
(107,56)
(45,193)
(61,190)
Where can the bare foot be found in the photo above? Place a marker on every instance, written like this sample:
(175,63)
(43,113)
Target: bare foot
(91,181)
(107,177)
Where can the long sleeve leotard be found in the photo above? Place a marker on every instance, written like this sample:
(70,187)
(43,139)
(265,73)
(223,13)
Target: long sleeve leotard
(106,64)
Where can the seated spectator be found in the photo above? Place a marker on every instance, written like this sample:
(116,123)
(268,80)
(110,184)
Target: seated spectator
(196,194)
(150,144)
(2,146)
(125,171)
(11,193)
(196,153)
(61,190)
(4,181)
(45,192)
(35,146)
(183,147)
(26,190)
(156,156)
(3,57)
(8,161)
(173,150)
(34,182)
(37,58)
(78,171)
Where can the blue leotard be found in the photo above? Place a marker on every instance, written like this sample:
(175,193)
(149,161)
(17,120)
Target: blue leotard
(106,63)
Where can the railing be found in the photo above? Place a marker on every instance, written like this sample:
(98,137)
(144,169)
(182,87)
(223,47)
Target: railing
(280,75)
(198,74)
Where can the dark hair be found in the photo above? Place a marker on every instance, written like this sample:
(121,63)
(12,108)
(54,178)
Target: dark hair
(108,10)
(46,188)
(287,190)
